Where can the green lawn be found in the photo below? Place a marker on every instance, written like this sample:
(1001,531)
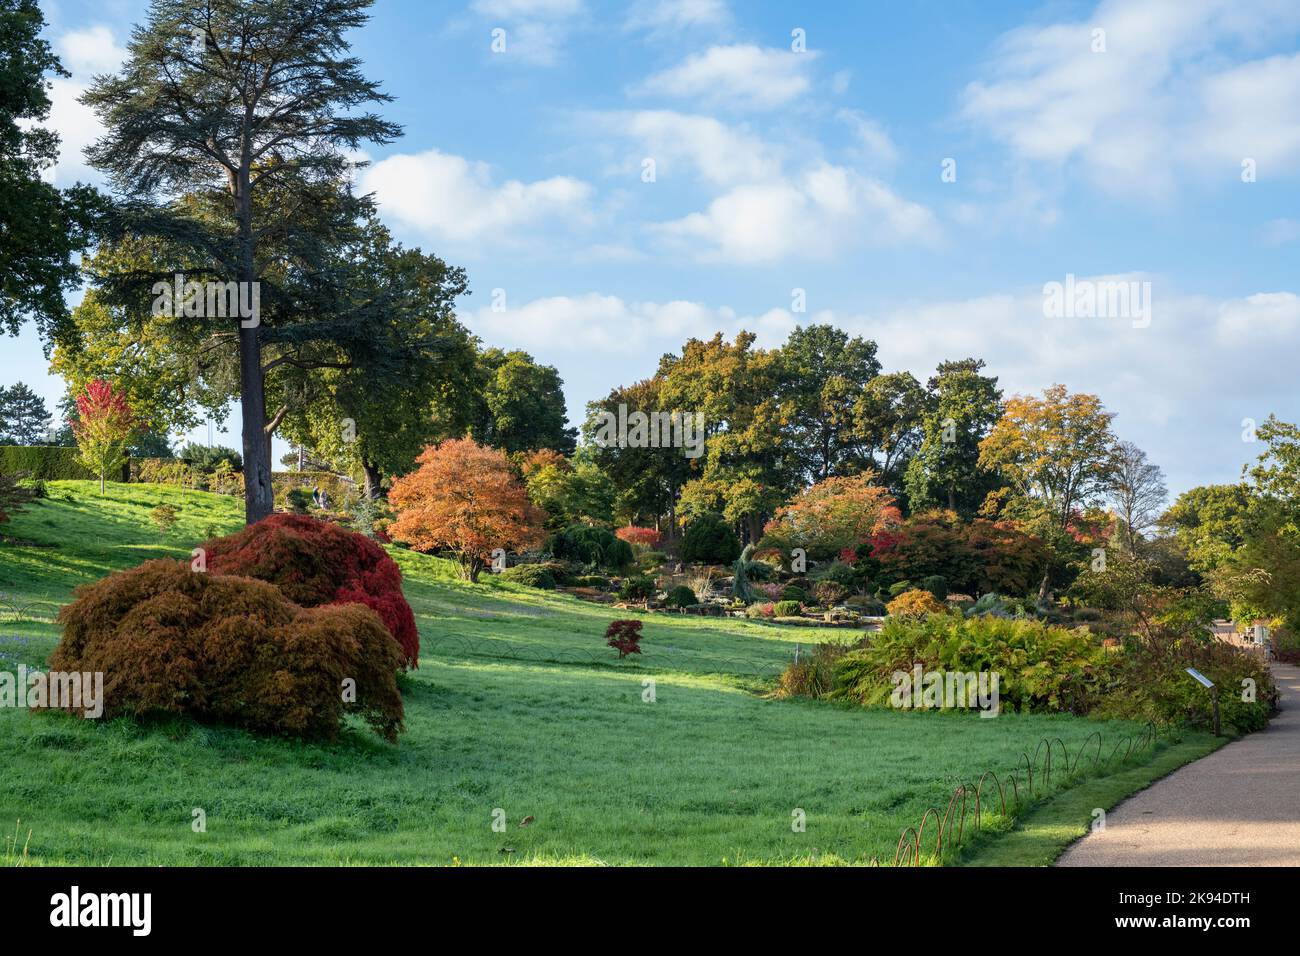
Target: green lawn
(709,773)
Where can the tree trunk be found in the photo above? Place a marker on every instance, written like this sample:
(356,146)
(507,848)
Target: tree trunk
(371,471)
(1043,592)
(259,500)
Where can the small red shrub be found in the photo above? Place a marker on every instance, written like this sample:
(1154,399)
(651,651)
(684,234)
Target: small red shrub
(231,649)
(624,636)
(315,563)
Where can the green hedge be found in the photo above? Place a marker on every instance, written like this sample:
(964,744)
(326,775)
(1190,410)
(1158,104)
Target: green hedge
(51,463)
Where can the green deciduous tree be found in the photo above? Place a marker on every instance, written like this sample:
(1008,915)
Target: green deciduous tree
(376,403)
(961,407)
(521,404)
(821,373)
(747,472)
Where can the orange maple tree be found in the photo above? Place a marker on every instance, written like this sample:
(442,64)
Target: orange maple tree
(832,515)
(464,498)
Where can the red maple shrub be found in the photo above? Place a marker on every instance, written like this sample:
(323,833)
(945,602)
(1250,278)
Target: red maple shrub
(624,636)
(315,563)
(169,640)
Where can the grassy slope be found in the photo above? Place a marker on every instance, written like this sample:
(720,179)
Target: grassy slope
(708,773)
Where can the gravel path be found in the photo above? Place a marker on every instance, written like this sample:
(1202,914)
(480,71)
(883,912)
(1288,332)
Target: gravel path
(1240,806)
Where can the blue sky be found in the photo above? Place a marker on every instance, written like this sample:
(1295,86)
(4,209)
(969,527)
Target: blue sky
(1115,153)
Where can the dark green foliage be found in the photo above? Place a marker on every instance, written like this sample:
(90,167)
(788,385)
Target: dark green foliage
(206,457)
(521,404)
(936,585)
(787,608)
(637,587)
(592,546)
(41,228)
(740,586)
(710,539)
(298,500)
(793,593)
(839,572)
(680,596)
(23,416)
(50,463)
(532,575)
(866,605)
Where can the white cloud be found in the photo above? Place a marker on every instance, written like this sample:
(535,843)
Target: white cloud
(819,214)
(1156,103)
(527,8)
(1253,111)
(776,199)
(1278,232)
(536,31)
(743,77)
(453,199)
(721,155)
(664,16)
(876,146)
(85,54)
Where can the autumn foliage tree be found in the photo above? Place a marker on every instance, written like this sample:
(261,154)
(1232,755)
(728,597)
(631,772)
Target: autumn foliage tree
(465,499)
(833,515)
(103,428)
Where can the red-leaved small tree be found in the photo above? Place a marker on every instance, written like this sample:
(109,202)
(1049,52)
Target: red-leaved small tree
(632,534)
(103,428)
(624,636)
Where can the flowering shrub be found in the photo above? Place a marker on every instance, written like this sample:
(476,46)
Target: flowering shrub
(231,649)
(317,562)
(760,609)
(624,636)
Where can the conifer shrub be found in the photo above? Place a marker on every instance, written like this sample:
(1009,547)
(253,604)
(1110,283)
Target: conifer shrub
(637,587)
(680,596)
(233,650)
(315,563)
